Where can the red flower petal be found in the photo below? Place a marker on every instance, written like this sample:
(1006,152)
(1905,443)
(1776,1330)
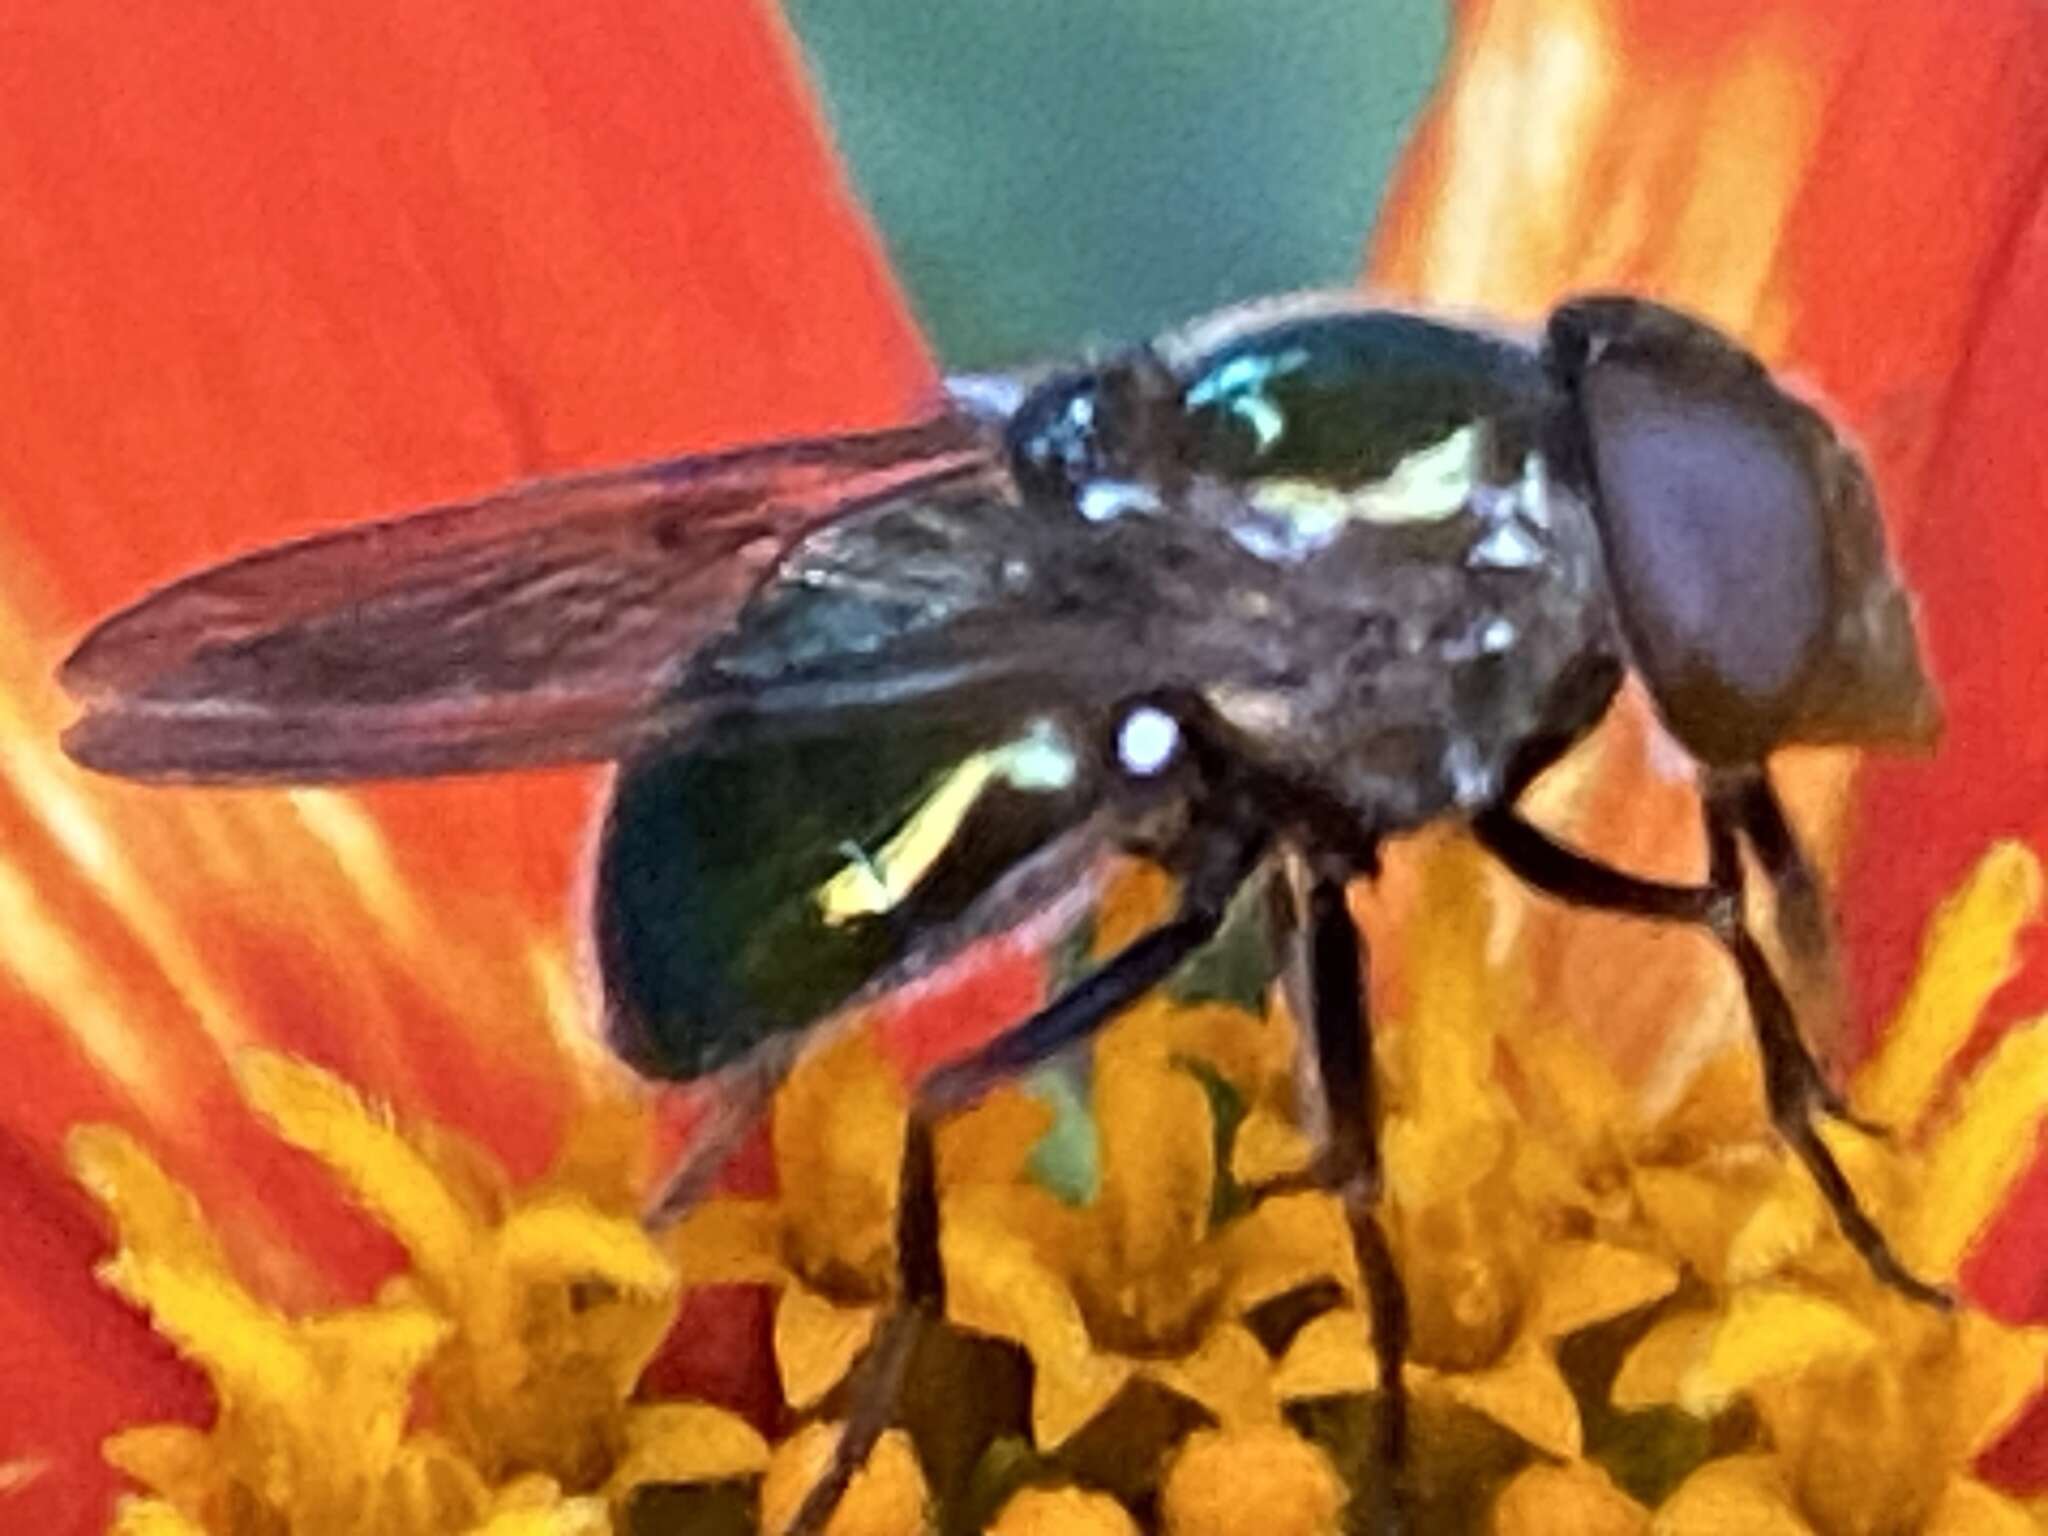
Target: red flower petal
(1978,554)
(262,272)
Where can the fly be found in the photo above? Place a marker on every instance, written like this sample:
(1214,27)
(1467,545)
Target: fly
(1255,596)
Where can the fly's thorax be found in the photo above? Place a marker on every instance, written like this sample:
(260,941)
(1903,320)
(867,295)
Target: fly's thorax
(1426,649)
(1358,533)
(1102,440)
(1402,661)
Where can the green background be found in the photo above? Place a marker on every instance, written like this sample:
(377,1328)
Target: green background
(1056,174)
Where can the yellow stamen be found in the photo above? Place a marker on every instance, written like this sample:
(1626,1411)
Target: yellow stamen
(1969,954)
(1220,1475)
(320,1114)
(1063,1512)
(1975,1159)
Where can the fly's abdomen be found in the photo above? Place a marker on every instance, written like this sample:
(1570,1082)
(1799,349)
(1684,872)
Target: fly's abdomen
(746,887)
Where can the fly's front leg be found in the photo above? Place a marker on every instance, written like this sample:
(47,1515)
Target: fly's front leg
(1563,872)
(1745,800)
(1351,1165)
(1220,856)
(1794,1086)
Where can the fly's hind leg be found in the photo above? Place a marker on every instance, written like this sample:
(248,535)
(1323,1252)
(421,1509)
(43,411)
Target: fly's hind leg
(1794,1087)
(1221,855)
(877,1381)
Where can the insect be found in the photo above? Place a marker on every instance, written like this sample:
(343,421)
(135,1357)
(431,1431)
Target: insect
(1258,595)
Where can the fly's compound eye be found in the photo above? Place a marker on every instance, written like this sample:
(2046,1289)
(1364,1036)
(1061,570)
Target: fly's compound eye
(1742,539)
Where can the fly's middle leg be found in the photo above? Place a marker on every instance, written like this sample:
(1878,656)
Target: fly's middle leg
(1351,1168)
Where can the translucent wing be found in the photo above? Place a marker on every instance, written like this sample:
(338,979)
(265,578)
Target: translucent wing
(542,625)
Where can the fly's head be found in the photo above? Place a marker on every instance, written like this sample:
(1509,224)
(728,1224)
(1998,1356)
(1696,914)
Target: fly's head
(1742,541)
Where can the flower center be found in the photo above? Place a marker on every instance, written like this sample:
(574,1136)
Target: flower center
(1466,1267)
(1859,1452)
(848,1273)
(1157,1313)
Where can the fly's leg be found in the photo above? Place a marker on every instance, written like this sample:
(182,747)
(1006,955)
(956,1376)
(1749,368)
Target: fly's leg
(877,1380)
(740,1100)
(1794,1086)
(1221,856)
(1735,801)
(1351,1167)
(1745,800)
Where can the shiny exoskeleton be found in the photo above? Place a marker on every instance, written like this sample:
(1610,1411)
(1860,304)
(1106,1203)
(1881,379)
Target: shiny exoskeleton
(1345,536)
(1250,599)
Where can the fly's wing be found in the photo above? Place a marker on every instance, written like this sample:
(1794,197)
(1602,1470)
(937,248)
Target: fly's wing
(543,625)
